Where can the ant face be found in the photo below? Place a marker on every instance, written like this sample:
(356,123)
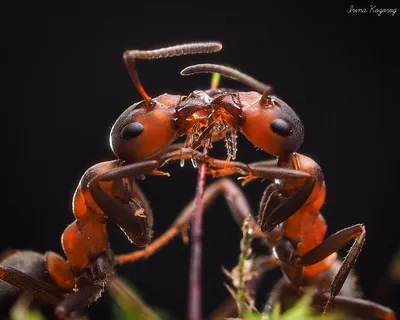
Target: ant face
(145,129)
(272,125)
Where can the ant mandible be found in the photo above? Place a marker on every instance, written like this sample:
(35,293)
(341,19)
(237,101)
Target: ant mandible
(141,140)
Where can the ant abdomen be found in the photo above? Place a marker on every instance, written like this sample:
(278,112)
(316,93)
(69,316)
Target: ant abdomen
(31,263)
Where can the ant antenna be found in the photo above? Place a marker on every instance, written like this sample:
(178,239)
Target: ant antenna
(230,73)
(265,99)
(173,51)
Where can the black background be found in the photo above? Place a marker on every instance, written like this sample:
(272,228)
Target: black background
(64,83)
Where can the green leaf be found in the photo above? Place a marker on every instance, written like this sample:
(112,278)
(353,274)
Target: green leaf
(128,304)
(248,315)
(300,311)
(276,311)
(34,315)
(22,311)
(125,312)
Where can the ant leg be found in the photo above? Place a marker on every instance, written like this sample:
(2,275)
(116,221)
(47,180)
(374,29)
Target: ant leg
(135,227)
(356,307)
(278,208)
(280,290)
(135,170)
(137,230)
(137,193)
(120,212)
(269,190)
(88,292)
(286,252)
(329,246)
(273,211)
(264,170)
(266,163)
(78,300)
(103,268)
(270,197)
(40,290)
(237,203)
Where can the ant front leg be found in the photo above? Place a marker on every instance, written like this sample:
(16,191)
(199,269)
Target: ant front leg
(284,293)
(119,206)
(263,169)
(237,203)
(329,246)
(39,290)
(355,307)
(123,208)
(90,286)
(274,207)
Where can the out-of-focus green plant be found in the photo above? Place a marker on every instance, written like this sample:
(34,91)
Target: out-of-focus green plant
(29,315)
(243,272)
(21,310)
(128,305)
(300,311)
(215,80)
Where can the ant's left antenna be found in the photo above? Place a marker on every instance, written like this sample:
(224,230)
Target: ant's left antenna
(173,51)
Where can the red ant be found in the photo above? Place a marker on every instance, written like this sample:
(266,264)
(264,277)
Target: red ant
(289,211)
(141,140)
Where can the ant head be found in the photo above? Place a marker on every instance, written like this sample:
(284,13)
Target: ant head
(145,129)
(270,124)
(148,127)
(266,121)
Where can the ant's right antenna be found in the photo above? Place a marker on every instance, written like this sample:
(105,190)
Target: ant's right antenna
(178,50)
(266,90)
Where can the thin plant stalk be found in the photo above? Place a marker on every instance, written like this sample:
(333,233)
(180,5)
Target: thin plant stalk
(195,301)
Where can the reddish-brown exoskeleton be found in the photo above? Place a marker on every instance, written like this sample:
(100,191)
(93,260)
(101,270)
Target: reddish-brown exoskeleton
(141,139)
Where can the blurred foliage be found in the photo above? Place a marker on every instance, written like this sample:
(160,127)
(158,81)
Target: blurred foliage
(28,315)
(394,267)
(215,80)
(128,304)
(300,311)
(21,310)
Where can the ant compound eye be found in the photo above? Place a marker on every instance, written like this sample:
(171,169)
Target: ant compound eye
(132,130)
(281,128)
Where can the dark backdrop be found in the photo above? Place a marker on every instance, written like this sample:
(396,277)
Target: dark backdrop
(64,83)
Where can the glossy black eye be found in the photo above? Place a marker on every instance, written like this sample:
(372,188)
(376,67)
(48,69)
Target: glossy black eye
(131,130)
(281,128)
